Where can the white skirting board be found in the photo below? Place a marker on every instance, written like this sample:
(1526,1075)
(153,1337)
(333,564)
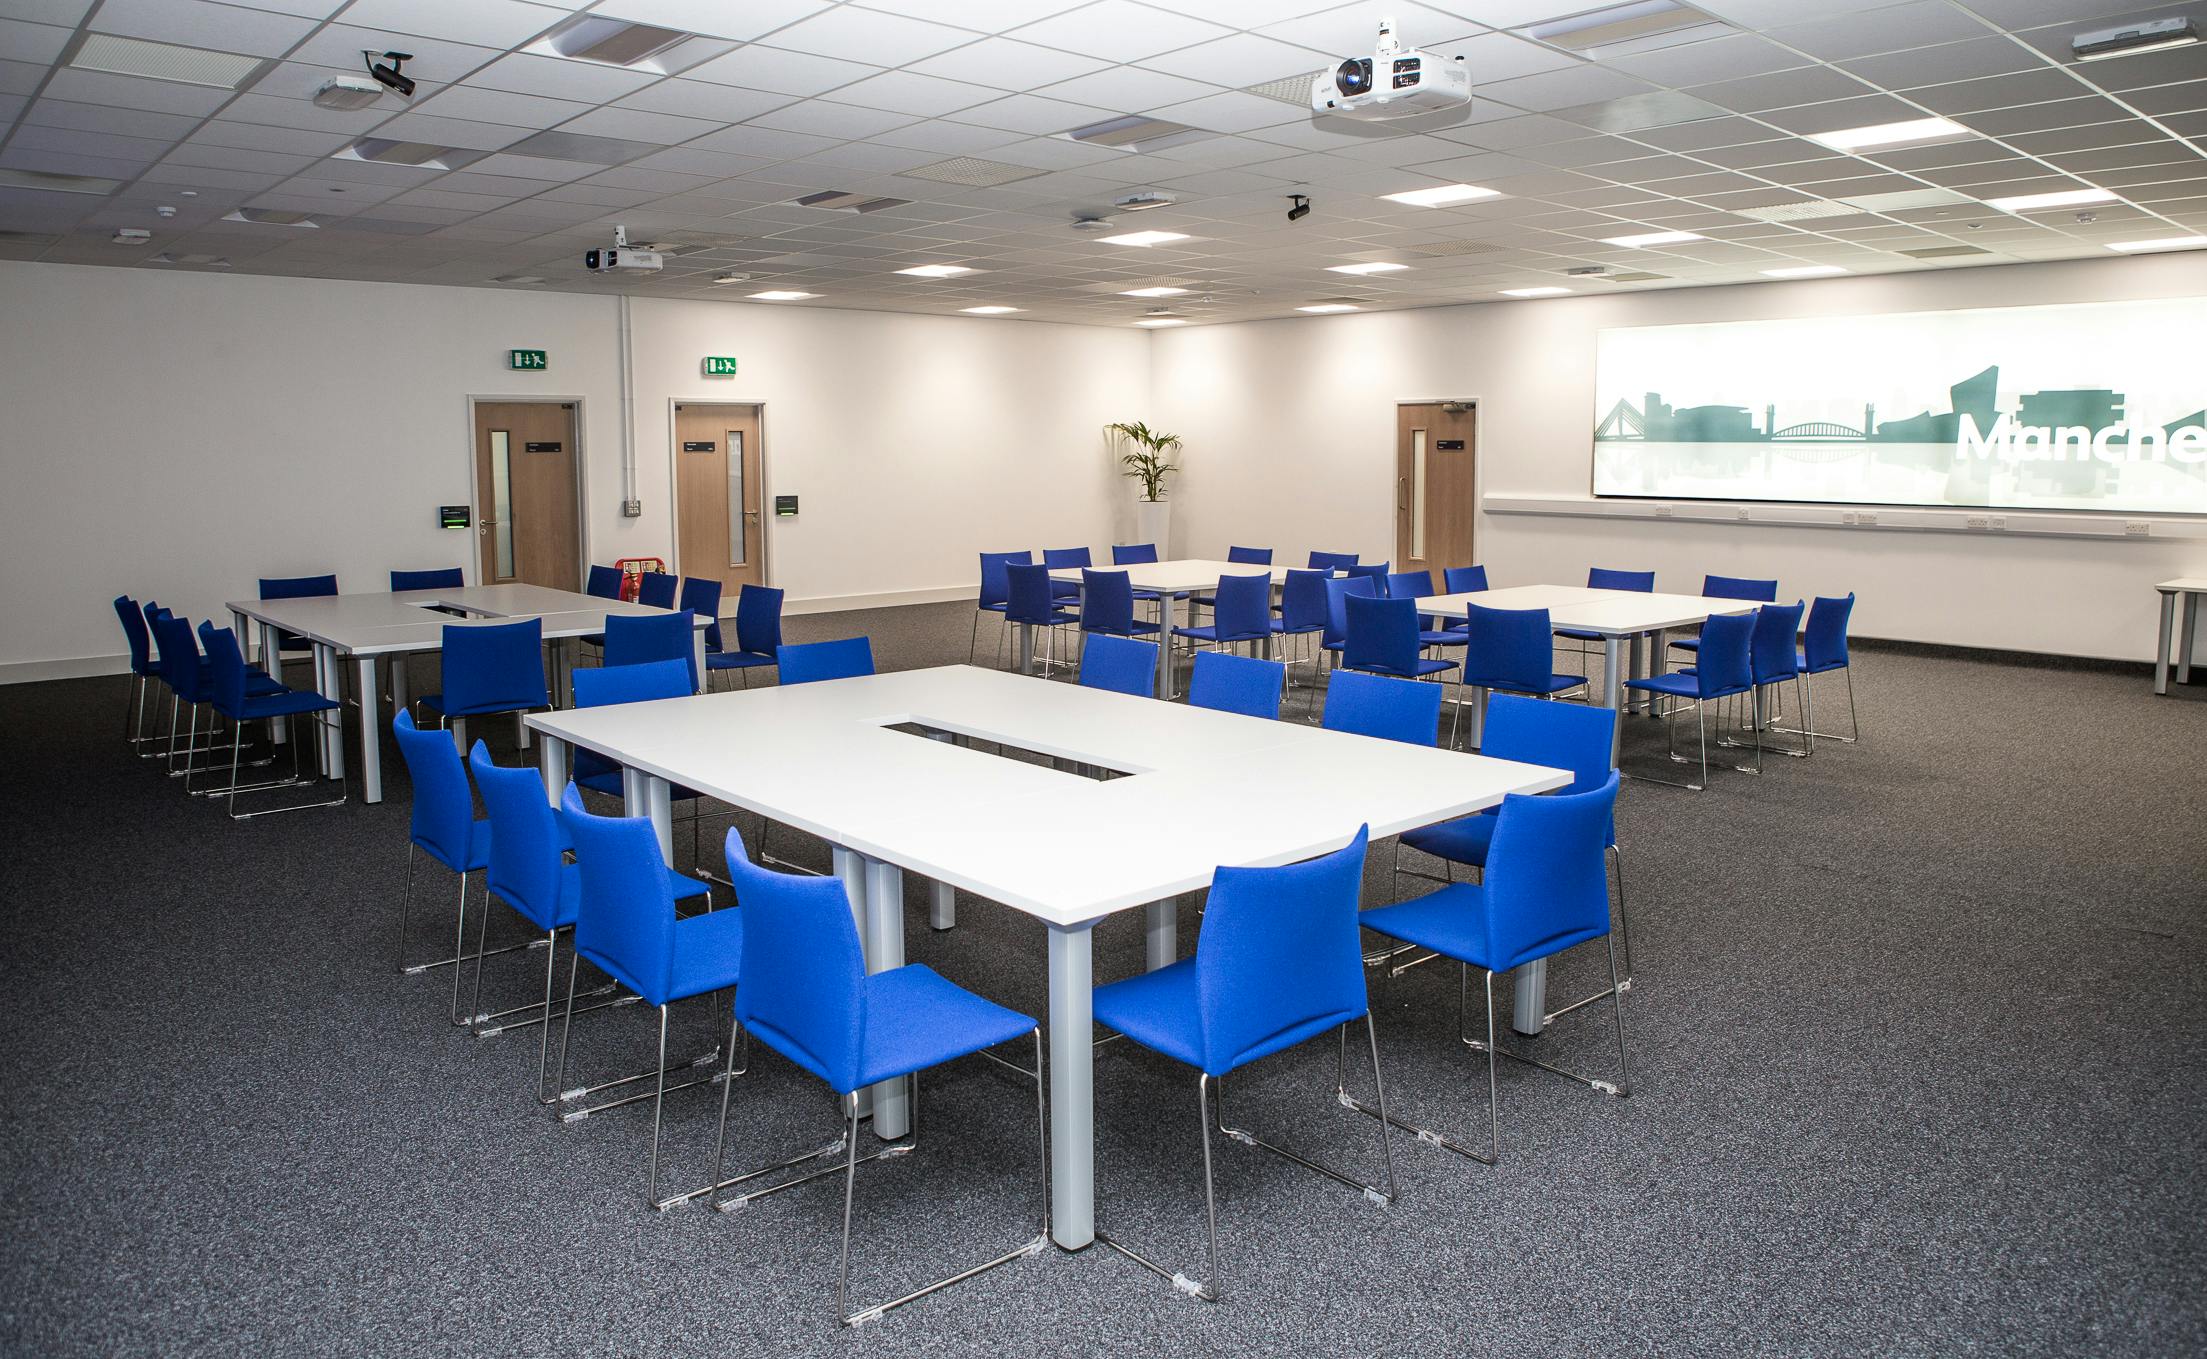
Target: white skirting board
(1858,518)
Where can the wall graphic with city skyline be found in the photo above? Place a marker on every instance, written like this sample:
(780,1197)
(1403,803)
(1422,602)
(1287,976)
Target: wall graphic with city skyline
(2089,406)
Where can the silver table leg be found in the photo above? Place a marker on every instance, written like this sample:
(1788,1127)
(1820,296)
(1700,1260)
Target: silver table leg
(1026,648)
(551,757)
(1531,1005)
(645,794)
(2184,638)
(1164,642)
(1161,932)
(272,660)
(850,870)
(697,654)
(942,901)
(1072,1086)
(371,725)
(1613,693)
(2161,647)
(884,942)
(329,681)
(1478,719)
(1659,662)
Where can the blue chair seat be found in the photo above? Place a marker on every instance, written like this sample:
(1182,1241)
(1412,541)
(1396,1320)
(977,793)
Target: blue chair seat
(1686,644)
(1556,684)
(998,607)
(1453,923)
(1579,634)
(681,886)
(478,848)
(1156,1009)
(1462,841)
(1427,665)
(1138,628)
(1279,626)
(1444,637)
(736,660)
(915,1019)
(1208,632)
(284,703)
(707,947)
(435,704)
(1679,683)
(1802,659)
(1055,618)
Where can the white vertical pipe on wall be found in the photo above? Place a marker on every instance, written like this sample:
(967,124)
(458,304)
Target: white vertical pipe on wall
(628,411)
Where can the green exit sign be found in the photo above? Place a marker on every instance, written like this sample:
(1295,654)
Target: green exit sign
(720,367)
(532,359)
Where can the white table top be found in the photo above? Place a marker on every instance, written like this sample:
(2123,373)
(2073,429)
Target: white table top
(1193,573)
(1611,613)
(1204,788)
(379,624)
(2184,585)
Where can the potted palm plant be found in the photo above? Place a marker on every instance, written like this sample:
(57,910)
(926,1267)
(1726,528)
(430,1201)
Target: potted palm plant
(1142,452)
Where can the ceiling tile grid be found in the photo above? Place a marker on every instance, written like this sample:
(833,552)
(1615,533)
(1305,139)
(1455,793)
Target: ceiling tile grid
(1018,137)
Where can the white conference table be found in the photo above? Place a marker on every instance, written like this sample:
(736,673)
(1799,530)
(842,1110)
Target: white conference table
(1200,789)
(2189,589)
(368,627)
(1193,575)
(1619,617)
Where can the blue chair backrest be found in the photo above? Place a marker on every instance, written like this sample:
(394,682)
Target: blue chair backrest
(225,670)
(701,596)
(845,658)
(180,659)
(1377,572)
(606,685)
(443,578)
(1508,649)
(1409,584)
(1339,589)
(1250,556)
(1573,736)
(1133,554)
(801,981)
(1120,664)
(1547,875)
(525,846)
(632,639)
(1107,602)
(605,582)
(759,619)
(624,921)
(494,667)
(1303,601)
(1824,646)
(1772,650)
(1247,685)
(1030,599)
(1465,580)
(1243,609)
(1279,960)
(1723,664)
(444,810)
(297,587)
(1331,561)
(995,585)
(140,640)
(637,682)
(657,589)
(1383,706)
(1383,635)
(1602,578)
(1737,587)
(1065,558)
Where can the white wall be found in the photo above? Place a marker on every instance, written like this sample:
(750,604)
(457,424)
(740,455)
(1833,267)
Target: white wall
(1290,430)
(176,436)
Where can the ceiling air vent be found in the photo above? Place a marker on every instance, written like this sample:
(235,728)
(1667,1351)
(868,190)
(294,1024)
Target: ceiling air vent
(271,217)
(577,146)
(973,172)
(611,42)
(385,151)
(843,200)
(1440,248)
(1293,89)
(1797,212)
(1135,133)
(114,55)
(1617,25)
(1940,252)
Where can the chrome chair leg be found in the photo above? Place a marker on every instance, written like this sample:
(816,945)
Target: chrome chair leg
(1428,1135)
(1624,928)
(1621,1088)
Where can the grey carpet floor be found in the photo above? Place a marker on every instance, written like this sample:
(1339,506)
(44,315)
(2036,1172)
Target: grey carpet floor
(1916,1048)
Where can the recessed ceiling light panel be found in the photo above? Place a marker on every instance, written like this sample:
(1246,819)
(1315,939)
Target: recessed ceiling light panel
(1615,25)
(610,42)
(1442,196)
(937,270)
(2156,36)
(1534,292)
(1650,238)
(1159,291)
(1136,133)
(1914,132)
(1328,308)
(843,200)
(1144,238)
(988,311)
(2039,202)
(57,183)
(112,55)
(1804,271)
(271,217)
(385,151)
(2164,243)
(1372,267)
(781,295)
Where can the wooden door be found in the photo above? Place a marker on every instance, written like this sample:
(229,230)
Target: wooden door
(719,477)
(1436,496)
(528,513)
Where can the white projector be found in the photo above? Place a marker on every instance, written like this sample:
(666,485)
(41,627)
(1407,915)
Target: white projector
(621,259)
(1394,82)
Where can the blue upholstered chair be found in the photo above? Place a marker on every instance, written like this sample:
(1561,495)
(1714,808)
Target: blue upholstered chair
(758,633)
(1823,650)
(1119,664)
(1331,561)
(1107,606)
(803,991)
(293,587)
(444,827)
(1276,965)
(1730,587)
(996,594)
(490,668)
(634,639)
(442,578)
(1249,685)
(1034,603)
(1065,559)
(638,682)
(1722,670)
(1383,707)
(1545,889)
(604,582)
(657,589)
(1512,651)
(1243,613)
(231,694)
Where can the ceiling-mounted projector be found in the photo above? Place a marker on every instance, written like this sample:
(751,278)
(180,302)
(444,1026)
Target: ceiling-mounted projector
(1394,82)
(621,258)
(347,93)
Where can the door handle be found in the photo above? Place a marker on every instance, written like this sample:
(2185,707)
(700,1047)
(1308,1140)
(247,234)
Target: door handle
(750,514)
(1402,493)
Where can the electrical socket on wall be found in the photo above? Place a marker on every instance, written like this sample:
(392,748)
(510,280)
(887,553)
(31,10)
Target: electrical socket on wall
(2137,528)
(632,509)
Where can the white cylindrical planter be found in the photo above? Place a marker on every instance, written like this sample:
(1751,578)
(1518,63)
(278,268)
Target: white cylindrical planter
(1153,524)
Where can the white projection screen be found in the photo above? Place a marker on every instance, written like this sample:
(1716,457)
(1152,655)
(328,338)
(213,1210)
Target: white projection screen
(2093,406)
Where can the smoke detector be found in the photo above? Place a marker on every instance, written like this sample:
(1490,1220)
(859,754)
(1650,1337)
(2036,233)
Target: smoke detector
(1142,202)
